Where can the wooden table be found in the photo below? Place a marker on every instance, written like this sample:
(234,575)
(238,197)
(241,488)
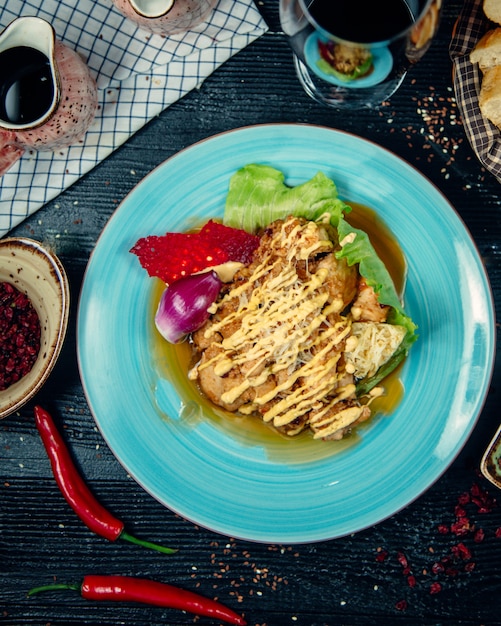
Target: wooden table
(358,579)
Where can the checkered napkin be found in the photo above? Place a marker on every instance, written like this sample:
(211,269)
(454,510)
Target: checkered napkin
(138,75)
(484,137)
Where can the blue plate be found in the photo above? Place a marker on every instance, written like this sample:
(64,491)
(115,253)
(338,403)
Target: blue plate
(382,60)
(242,481)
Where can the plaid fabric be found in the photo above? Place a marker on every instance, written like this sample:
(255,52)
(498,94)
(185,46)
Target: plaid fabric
(138,75)
(484,137)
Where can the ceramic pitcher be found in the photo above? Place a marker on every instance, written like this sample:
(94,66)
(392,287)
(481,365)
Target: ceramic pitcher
(48,97)
(166,17)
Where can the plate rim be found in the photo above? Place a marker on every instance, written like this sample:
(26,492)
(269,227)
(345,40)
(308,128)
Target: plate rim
(402,162)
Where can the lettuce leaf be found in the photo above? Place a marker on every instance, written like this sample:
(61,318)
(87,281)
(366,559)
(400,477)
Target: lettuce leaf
(357,249)
(325,67)
(258,196)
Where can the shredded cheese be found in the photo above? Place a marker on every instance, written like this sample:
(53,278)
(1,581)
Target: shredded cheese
(281,345)
(374,344)
(277,325)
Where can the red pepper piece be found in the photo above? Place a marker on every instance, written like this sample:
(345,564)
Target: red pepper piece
(238,244)
(129,589)
(175,255)
(76,492)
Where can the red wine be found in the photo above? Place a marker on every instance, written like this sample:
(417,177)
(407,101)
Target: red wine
(362,21)
(26,85)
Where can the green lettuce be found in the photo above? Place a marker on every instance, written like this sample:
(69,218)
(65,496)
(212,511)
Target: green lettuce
(325,67)
(258,196)
(359,250)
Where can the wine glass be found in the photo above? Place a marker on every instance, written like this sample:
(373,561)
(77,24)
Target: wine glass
(356,53)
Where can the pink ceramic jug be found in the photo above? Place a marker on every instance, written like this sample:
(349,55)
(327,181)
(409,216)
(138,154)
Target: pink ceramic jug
(48,97)
(166,17)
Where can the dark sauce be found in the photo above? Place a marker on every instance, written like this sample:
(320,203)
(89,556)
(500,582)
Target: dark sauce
(26,85)
(173,361)
(362,21)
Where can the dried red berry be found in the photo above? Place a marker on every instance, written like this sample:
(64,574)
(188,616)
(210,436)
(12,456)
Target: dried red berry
(435,588)
(460,551)
(19,335)
(482,499)
(381,556)
(402,559)
(462,527)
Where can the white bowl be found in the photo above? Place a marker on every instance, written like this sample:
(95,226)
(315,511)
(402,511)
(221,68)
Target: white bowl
(39,274)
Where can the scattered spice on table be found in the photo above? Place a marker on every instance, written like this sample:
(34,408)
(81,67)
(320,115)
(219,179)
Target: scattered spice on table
(439,133)
(146,591)
(20,334)
(76,492)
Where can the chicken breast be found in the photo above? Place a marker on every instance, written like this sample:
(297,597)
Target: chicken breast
(274,346)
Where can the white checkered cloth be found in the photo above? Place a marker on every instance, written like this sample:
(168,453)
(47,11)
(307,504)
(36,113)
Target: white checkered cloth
(138,76)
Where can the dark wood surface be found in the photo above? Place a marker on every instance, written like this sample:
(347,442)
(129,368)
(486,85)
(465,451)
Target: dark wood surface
(359,579)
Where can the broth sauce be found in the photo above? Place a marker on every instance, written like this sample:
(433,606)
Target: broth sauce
(172,362)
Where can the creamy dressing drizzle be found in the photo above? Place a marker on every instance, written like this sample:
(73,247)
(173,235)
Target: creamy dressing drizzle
(278,323)
(172,362)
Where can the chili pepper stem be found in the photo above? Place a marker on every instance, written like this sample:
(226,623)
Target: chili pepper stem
(75,490)
(146,544)
(53,587)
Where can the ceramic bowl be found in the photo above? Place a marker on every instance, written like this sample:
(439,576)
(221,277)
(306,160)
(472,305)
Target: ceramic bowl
(490,465)
(38,273)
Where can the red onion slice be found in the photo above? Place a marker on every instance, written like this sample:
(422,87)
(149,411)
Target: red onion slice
(183,306)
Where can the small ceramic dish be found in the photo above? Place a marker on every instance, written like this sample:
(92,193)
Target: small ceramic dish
(490,465)
(38,273)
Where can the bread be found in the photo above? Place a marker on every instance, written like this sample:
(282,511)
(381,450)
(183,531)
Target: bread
(492,10)
(487,52)
(489,99)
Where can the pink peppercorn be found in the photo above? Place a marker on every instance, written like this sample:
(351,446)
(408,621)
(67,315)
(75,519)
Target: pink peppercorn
(461,551)
(381,556)
(411,581)
(19,335)
(435,588)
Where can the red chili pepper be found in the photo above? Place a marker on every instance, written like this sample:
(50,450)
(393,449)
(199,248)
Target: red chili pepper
(129,589)
(76,492)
